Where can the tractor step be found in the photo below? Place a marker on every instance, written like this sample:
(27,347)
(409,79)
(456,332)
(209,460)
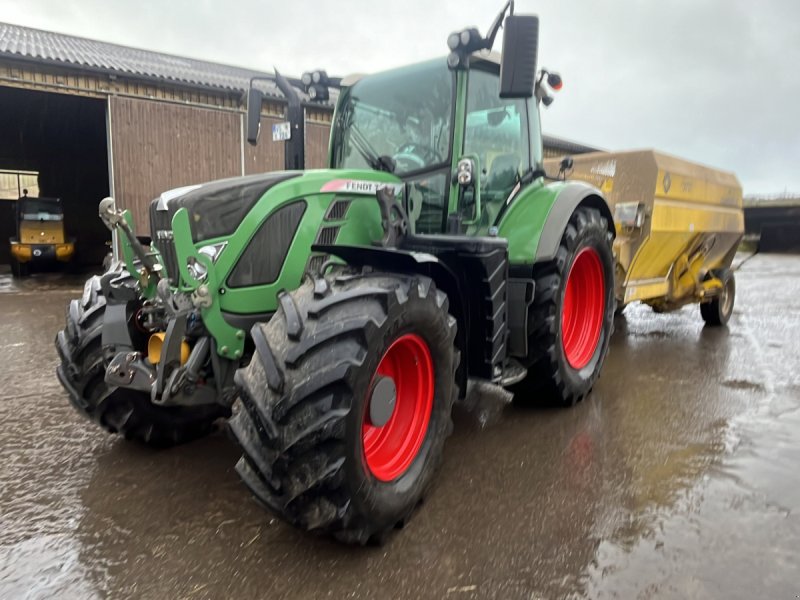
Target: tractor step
(513,372)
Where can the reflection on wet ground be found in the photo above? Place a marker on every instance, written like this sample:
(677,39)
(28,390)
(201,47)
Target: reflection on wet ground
(676,478)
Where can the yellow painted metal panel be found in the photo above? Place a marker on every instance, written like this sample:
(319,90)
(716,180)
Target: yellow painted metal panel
(686,216)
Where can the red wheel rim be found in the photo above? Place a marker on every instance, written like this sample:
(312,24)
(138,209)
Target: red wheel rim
(584,308)
(389,450)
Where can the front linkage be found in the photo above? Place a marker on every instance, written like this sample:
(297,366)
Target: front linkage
(172,392)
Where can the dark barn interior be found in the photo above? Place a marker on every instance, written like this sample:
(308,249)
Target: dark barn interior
(63,137)
(776,225)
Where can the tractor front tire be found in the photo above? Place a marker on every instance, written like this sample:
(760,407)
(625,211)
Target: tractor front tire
(344,409)
(572,315)
(718,311)
(118,410)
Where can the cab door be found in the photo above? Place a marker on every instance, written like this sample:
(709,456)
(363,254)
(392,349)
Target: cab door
(497,134)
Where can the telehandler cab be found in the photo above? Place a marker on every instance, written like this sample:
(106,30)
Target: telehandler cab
(339,313)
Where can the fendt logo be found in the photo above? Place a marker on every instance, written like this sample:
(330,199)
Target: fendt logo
(357,186)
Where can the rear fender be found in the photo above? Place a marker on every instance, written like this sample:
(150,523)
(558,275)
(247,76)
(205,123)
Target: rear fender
(535,221)
(573,195)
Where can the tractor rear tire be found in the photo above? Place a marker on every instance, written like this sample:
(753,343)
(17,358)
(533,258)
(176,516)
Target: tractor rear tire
(324,449)
(572,315)
(118,410)
(718,311)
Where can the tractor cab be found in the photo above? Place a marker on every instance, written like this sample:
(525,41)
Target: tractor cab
(422,121)
(40,234)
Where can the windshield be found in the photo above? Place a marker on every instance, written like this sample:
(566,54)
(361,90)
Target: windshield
(40,209)
(398,121)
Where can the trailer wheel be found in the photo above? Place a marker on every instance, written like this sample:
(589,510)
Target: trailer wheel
(572,315)
(718,311)
(345,406)
(118,410)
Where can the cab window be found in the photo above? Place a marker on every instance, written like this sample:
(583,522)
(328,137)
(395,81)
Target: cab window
(497,133)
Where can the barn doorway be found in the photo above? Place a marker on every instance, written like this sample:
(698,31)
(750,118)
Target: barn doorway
(59,141)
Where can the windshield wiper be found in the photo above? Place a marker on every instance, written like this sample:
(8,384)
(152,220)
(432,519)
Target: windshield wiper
(379,163)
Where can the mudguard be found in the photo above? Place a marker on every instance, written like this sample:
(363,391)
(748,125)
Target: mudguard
(537,218)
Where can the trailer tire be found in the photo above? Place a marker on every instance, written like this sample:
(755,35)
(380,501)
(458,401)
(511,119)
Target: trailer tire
(311,453)
(571,318)
(118,410)
(718,311)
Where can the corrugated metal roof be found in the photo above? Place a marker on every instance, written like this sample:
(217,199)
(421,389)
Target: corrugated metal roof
(60,49)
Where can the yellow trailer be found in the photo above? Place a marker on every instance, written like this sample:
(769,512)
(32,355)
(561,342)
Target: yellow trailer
(678,227)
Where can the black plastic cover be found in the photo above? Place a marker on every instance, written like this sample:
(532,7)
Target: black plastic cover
(216,208)
(481,266)
(520,47)
(255,97)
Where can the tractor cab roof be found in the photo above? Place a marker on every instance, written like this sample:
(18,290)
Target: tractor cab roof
(481,57)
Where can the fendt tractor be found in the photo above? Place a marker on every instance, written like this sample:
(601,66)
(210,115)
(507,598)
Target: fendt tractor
(338,314)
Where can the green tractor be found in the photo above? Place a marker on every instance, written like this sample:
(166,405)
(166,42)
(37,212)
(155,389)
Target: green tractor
(338,314)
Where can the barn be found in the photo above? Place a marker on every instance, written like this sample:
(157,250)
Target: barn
(82,119)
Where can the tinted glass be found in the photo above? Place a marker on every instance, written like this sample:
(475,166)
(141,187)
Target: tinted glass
(404,114)
(497,132)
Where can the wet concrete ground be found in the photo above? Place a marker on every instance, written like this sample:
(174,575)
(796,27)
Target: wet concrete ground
(677,478)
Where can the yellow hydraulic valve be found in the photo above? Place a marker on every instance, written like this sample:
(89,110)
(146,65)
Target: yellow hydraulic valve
(155,344)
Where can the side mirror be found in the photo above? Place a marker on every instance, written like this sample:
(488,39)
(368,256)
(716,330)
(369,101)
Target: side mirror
(254,99)
(518,64)
(469,190)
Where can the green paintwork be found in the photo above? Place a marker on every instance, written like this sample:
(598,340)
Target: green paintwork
(229,340)
(361,227)
(522,223)
(458,137)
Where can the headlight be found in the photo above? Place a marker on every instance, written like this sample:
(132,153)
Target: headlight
(198,269)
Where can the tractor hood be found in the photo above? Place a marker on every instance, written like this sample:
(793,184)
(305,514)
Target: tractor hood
(215,208)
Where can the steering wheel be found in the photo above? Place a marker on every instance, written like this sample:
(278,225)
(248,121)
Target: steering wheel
(418,155)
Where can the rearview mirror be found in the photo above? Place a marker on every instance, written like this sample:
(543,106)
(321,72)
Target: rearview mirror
(518,64)
(254,100)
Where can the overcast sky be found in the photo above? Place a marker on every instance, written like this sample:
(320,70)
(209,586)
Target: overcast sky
(717,81)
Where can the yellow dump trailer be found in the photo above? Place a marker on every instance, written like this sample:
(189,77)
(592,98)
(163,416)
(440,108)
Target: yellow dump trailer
(678,226)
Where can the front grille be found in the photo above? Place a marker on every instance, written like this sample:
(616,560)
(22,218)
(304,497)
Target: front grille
(263,259)
(161,234)
(327,235)
(315,263)
(337,210)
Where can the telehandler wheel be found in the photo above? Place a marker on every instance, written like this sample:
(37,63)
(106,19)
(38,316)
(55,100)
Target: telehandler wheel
(118,410)
(572,315)
(19,269)
(345,406)
(718,311)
